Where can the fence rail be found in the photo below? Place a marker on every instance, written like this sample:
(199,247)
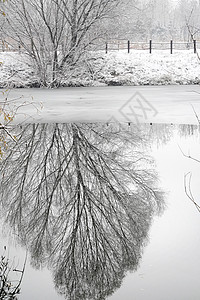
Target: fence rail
(128,45)
(9,48)
(150,46)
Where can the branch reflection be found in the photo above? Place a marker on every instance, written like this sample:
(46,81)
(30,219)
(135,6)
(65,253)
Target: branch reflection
(81,198)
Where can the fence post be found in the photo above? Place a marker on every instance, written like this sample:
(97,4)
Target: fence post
(195,46)
(128,46)
(171,46)
(150,46)
(106,47)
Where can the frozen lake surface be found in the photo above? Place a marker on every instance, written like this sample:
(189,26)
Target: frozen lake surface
(156,104)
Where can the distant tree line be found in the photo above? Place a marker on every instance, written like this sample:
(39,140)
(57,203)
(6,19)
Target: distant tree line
(160,20)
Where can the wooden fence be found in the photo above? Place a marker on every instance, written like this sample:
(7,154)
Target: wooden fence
(127,45)
(4,47)
(150,46)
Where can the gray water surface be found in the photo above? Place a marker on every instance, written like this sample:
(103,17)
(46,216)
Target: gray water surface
(169,261)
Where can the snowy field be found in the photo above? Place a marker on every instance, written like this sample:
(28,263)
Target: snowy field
(115,68)
(165,84)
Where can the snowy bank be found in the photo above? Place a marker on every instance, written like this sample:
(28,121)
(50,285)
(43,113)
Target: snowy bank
(115,68)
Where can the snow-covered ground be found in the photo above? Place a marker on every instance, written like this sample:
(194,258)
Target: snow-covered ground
(115,68)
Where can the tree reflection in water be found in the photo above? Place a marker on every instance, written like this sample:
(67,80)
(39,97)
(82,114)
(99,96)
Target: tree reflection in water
(81,198)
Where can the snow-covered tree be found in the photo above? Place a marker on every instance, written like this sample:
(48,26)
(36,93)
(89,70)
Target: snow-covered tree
(54,33)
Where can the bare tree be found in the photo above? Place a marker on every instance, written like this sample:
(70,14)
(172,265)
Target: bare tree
(81,198)
(54,33)
(9,289)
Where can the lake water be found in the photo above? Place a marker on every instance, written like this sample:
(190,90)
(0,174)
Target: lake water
(163,104)
(166,264)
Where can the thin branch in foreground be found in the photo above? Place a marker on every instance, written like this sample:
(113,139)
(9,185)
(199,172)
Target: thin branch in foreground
(188,191)
(188,156)
(196,115)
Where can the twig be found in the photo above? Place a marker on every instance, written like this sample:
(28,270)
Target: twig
(188,190)
(188,156)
